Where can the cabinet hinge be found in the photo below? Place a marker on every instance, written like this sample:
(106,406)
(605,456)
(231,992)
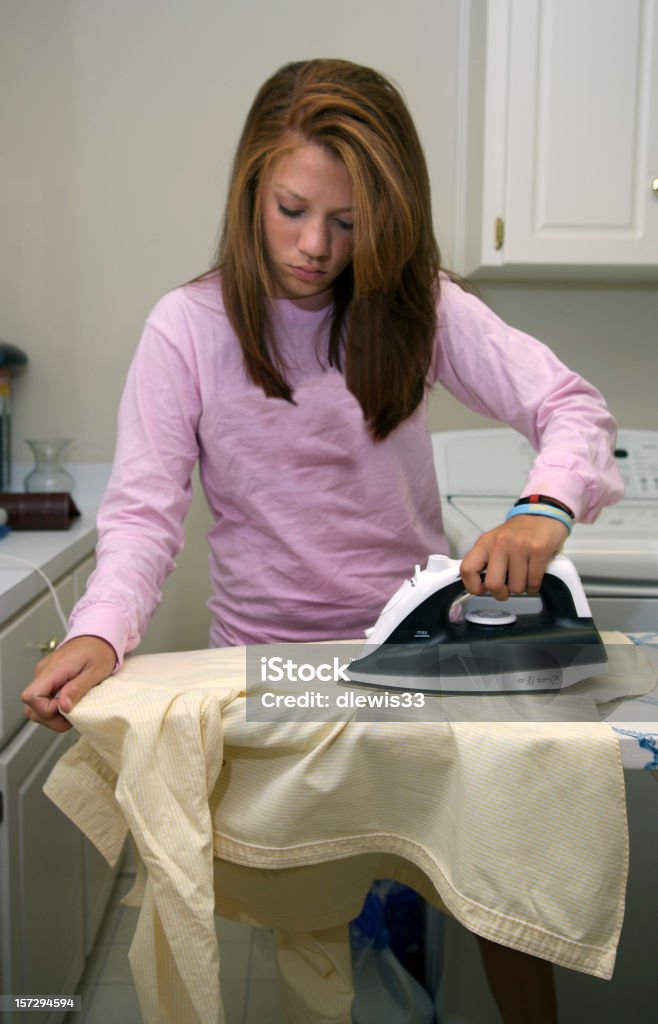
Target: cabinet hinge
(2,809)
(499,233)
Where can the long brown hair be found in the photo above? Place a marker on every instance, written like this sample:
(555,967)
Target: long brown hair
(384,302)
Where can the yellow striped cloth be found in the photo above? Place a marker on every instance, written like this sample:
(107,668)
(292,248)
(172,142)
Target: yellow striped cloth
(518,829)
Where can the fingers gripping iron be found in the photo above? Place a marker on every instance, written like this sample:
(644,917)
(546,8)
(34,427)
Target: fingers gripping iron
(416,644)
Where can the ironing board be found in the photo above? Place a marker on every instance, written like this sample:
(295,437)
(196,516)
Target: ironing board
(635,722)
(285,825)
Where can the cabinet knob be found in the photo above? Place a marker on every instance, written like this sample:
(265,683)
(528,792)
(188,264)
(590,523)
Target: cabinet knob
(44,646)
(654,185)
(499,233)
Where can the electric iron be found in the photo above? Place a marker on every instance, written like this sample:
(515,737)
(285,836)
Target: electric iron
(416,644)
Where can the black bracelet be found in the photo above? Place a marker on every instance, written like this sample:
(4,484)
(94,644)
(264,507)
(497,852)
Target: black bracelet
(542,499)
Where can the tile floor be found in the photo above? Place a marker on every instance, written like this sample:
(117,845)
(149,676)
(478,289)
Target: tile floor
(249,977)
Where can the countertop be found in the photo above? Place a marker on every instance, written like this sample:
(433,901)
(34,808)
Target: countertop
(54,552)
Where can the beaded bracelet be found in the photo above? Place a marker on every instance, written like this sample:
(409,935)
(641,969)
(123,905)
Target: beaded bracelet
(550,511)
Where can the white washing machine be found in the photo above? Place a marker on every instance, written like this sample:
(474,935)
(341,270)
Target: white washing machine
(481,474)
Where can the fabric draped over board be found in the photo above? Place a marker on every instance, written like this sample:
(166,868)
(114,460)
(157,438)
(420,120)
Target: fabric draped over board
(516,828)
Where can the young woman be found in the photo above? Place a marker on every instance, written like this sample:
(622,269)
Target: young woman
(296,373)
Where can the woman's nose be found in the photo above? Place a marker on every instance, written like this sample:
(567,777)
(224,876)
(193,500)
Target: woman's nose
(314,239)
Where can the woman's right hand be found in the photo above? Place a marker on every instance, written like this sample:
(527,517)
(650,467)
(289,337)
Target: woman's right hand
(64,676)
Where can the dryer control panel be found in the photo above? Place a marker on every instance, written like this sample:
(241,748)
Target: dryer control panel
(637,459)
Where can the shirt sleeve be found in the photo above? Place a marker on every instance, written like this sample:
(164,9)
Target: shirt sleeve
(506,375)
(140,521)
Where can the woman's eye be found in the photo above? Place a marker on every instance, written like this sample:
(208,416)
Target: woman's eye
(288,212)
(344,224)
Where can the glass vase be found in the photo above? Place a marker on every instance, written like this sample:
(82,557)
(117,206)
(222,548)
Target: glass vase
(48,473)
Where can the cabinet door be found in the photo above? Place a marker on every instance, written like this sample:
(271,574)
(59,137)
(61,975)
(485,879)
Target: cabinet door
(23,642)
(41,877)
(565,99)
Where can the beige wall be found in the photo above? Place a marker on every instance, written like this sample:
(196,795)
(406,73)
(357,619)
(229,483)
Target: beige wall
(118,122)
(607,332)
(117,127)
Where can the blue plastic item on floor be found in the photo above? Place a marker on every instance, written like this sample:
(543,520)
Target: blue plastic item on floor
(384,989)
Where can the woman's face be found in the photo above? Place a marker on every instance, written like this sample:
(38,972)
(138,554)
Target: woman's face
(307,224)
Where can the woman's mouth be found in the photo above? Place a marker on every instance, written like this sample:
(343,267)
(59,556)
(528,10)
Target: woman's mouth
(309,274)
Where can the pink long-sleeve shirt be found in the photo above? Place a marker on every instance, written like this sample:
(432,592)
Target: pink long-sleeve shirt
(314,524)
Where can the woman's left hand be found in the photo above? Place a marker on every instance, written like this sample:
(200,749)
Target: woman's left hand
(513,556)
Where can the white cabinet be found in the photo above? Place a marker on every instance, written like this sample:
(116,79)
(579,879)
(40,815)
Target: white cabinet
(54,886)
(23,642)
(41,877)
(558,136)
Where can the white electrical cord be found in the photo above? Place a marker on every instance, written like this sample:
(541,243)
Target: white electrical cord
(53,593)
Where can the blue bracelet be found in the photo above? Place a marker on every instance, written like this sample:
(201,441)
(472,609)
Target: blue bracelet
(542,510)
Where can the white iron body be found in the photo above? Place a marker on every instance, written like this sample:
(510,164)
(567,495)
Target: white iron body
(415,644)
